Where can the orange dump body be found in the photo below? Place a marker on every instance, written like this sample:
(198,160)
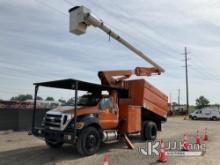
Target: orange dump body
(130,118)
(142,95)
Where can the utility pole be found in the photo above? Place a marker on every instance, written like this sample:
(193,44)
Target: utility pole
(187,82)
(170,102)
(178,97)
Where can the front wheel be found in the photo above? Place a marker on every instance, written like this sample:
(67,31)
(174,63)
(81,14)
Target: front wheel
(194,118)
(149,130)
(88,141)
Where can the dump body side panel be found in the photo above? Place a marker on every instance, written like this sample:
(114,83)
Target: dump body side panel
(130,118)
(142,93)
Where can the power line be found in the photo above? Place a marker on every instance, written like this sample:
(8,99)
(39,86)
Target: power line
(68,2)
(138,34)
(162,51)
(51,7)
(25,72)
(206,73)
(206,69)
(203,71)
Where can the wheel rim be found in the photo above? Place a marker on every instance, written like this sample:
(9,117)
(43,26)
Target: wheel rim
(91,142)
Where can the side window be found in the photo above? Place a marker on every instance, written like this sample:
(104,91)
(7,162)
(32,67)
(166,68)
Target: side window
(198,112)
(105,103)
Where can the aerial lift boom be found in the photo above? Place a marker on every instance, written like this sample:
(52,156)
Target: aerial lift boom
(116,78)
(81,17)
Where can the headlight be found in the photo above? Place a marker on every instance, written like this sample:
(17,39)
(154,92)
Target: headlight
(79,125)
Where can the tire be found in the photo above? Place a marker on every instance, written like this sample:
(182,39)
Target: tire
(214,118)
(149,130)
(194,118)
(88,141)
(53,144)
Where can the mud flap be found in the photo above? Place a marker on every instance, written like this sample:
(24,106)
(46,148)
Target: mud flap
(127,141)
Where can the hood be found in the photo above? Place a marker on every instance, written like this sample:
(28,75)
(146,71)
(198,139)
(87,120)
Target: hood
(80,110)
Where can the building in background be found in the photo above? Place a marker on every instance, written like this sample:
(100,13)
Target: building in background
(28,104)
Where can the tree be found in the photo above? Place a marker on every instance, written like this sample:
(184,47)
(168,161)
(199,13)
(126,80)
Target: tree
(175,104)
(71,101)
(49,98)
(62,101)
(201,102)
(22,97)
(39,98)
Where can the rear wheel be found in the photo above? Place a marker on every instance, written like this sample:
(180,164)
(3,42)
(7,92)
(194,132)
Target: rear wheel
(214,118)
(88,141)
(149,130)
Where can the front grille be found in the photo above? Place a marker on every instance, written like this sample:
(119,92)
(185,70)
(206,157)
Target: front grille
(57,121)
(53,120)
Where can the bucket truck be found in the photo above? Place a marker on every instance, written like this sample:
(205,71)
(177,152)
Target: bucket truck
(130,107)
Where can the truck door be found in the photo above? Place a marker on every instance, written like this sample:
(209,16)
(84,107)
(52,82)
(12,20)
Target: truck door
(108,113)
(207,114)
(199,114)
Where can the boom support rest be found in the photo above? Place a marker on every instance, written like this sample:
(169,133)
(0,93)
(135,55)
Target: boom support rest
(115,78)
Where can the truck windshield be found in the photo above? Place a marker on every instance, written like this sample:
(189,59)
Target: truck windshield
(88,100)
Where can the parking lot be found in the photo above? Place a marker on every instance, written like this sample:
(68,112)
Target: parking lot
(19,148)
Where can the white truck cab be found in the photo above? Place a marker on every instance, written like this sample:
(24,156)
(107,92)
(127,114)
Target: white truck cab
(212,113)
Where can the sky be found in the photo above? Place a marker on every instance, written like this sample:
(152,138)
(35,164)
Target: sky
(36,45)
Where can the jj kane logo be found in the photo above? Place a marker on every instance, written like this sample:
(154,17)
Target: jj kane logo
(172,148)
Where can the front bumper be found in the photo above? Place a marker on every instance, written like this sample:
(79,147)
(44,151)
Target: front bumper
(52,135)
